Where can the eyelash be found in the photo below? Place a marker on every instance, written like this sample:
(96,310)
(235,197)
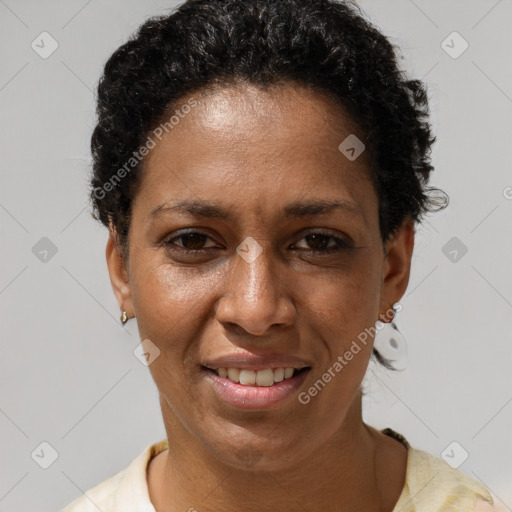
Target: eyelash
(340,244)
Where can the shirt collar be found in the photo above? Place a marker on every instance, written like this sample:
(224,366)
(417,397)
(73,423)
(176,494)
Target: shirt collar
(133,486)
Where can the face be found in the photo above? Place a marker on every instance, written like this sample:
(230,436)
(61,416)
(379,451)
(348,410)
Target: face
(274,259)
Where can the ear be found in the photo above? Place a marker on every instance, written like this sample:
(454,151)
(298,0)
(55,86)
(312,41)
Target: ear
(118,273)
(396,268)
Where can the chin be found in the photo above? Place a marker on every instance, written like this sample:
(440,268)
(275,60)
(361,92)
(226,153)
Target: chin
(258,449)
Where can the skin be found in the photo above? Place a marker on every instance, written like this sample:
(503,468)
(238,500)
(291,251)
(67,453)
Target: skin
(253,152)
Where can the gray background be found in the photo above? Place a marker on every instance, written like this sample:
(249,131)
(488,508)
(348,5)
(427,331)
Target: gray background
(68,375)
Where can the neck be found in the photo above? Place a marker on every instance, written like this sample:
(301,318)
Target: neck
(341,475)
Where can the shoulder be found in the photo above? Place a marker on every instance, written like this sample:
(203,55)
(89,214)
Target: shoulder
(443,482)
(100,496)
(433,485)
(128,486)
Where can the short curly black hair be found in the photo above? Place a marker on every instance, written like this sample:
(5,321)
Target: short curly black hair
(326,45)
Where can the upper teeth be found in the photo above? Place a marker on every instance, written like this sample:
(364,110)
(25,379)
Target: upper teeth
(265,377)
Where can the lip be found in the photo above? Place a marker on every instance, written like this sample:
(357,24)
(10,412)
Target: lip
(255,397)
(249,361)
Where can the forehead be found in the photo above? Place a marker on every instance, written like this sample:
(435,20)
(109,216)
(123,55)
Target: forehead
(281,113)
(246,140)
(267,106)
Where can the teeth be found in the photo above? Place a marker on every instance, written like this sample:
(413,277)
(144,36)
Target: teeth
(233,374)
(278,374)
(265,377)
(248,377)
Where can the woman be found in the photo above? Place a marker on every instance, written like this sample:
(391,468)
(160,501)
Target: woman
(261,166)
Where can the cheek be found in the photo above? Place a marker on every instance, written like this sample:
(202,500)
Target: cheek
(172,305)
(170,300)
(348,301)
(345,309)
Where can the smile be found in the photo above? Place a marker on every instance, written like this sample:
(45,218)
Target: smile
(266,377)
(255,389)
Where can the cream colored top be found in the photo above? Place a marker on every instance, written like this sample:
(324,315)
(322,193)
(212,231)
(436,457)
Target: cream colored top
(431,485)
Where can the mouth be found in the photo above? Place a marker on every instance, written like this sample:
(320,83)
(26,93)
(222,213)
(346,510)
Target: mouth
(265,377)
(261,389)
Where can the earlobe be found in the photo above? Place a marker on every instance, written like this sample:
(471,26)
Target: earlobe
(396,268)
(118,274)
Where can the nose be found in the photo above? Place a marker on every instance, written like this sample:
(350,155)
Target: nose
(255,297)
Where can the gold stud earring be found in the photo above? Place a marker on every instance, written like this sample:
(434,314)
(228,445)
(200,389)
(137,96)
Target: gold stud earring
(124,317)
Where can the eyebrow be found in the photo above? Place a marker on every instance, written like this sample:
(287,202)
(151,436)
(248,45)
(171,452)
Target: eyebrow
(296,209)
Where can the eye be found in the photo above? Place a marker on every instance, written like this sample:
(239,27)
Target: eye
(324,243)
(190,241)
(317,242)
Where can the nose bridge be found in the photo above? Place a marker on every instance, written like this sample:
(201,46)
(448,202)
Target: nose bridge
(253,271)
(256,297)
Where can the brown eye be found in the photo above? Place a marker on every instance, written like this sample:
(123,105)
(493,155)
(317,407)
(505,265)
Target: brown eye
(323,243)
(192,241)
(318,242)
